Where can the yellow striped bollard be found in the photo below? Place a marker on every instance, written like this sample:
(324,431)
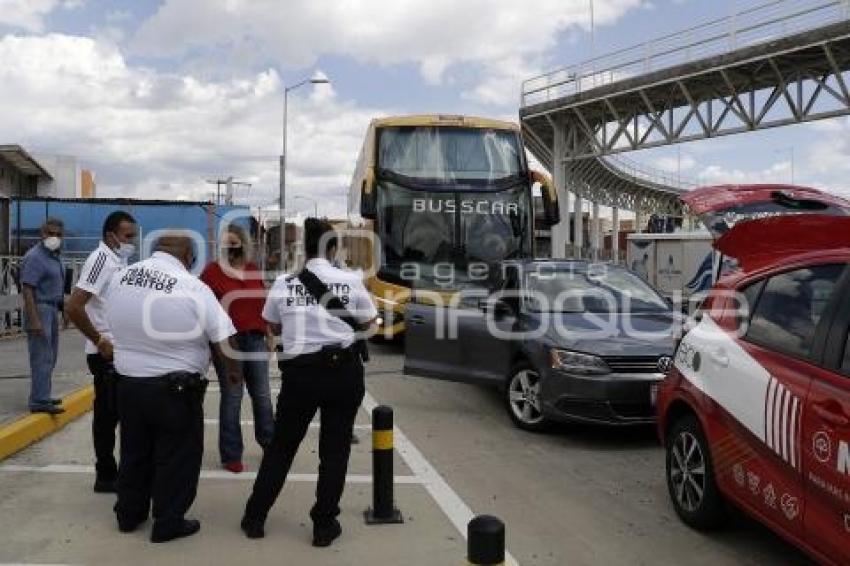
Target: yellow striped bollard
(383,510)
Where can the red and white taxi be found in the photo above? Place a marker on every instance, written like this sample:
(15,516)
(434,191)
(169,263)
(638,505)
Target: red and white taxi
(756,410)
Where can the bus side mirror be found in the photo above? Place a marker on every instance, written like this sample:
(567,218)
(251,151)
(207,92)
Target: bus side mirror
(551,209)
(368,197)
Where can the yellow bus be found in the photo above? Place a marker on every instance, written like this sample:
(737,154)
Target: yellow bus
(446,199)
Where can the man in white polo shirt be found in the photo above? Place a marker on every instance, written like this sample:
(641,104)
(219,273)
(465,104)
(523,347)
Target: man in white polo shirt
(163,320)
(85,309)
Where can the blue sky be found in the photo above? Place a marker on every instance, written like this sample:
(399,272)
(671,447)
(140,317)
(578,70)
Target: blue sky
(157,96)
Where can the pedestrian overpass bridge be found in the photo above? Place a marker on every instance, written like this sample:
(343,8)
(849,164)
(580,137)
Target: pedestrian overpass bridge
(779,63)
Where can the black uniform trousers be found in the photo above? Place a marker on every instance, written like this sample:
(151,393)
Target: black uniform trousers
(162,443)
(105,417)
(334,389)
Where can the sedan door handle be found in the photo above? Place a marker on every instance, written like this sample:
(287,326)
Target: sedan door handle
(835,418)
(417,320)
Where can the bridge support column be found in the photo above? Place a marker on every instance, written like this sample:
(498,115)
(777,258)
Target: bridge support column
(560,231)
(595,232)
(615,234)
(578,227)
(639,220)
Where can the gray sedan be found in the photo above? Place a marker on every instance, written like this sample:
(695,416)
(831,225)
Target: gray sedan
(563,340)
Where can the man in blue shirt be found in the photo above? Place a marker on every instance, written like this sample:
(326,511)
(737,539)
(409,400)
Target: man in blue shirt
(43,284)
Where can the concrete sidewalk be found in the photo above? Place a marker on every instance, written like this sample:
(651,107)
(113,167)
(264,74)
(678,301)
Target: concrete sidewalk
(71,373)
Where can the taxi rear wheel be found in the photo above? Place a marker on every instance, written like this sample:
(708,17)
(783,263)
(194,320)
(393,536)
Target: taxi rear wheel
(690,476)
(522,398)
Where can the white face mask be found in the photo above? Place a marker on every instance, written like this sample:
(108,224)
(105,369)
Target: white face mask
(125,251)
(52,243)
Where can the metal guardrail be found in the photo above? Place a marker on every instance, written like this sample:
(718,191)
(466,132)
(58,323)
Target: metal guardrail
(11,302)
(641,172)
(753,26)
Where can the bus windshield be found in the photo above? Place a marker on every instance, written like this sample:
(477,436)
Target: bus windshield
(448,154)
(450,239)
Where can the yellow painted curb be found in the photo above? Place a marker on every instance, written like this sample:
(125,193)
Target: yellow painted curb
(19,434)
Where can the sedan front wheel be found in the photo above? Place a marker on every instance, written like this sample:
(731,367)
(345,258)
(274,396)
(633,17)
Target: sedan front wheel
(523,400)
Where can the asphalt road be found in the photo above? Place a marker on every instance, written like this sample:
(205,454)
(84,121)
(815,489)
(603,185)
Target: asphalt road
(576,495)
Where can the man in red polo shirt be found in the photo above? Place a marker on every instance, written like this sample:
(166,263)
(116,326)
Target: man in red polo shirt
(238,285)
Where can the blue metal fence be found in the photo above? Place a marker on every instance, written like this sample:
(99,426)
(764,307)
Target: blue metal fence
(84,220)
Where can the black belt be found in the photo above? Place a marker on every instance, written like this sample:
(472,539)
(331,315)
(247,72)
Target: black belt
(327,356)
(178,380)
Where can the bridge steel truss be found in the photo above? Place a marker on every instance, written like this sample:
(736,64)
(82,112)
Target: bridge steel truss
(793,80)
(753,75)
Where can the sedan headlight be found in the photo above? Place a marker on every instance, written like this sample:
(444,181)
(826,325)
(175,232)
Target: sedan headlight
(576,362)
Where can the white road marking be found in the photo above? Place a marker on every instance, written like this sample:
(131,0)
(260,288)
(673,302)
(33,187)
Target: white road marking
(214,388)
(448,500)
(205,474)
(216,422)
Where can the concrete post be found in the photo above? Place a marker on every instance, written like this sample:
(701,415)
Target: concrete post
(561,231)
(615,234)
(578,227)
(639,216)
(595,232)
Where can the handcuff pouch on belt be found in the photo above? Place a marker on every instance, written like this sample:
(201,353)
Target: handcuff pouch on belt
(184,381)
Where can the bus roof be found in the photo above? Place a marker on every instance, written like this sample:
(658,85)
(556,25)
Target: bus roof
(447,120)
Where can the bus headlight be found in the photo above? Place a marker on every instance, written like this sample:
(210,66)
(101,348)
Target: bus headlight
(576,362)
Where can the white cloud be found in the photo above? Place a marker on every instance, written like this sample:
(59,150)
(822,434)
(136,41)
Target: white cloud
(673,164)
(501,35)
(29,14)
(161,135)
(26,14)
(779,173)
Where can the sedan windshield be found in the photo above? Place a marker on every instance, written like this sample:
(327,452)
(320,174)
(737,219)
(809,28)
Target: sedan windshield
(598,289)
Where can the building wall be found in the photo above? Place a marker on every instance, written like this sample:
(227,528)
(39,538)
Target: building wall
(66,173)
(88,188)
(13,183)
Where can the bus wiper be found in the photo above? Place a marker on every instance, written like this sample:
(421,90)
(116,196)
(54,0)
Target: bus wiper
(453,185)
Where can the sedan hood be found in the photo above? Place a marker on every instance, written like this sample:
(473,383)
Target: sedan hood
(617,334)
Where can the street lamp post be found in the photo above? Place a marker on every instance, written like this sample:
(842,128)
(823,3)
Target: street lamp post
(314,201)
(282,208)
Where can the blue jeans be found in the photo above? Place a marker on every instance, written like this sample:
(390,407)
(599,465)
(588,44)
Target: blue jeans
(43,352)
(256,377)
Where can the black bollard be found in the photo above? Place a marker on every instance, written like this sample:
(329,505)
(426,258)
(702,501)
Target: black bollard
(383,509)
(486,541)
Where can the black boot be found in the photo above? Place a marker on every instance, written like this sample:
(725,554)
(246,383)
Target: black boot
(185,528)
(325,534)
(253,528)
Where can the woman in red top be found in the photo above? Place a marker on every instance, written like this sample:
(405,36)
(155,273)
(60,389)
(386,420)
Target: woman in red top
(238,285)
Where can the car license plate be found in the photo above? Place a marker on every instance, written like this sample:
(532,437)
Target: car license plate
(653,393)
